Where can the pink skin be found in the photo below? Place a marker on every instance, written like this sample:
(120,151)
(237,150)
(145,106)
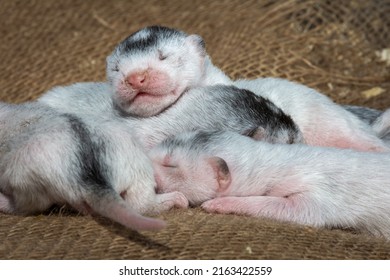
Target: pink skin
(285,201)
(280,208)
(276,203)
(228,173)
(209,183)
(147,82)
(147,91)
(197,182)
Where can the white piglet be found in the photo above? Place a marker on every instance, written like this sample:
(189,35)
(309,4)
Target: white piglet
(153,67)
(226,172)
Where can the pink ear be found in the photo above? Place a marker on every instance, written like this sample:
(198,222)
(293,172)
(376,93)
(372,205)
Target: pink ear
(198,42)
(222,172)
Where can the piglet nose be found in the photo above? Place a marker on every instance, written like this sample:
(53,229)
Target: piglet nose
(136,80)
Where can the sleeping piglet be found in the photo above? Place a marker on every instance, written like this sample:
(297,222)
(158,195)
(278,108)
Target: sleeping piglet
(226,172)
(47,158)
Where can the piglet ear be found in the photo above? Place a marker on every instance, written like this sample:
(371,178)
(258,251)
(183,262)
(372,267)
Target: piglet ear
(221,171)
(257,133)
(197,42)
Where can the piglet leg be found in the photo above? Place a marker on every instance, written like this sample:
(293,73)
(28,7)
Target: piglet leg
(294,208)
(166,201)
(344,135)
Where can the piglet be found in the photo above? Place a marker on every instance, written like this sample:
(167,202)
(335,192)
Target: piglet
(226,172)
(48,158)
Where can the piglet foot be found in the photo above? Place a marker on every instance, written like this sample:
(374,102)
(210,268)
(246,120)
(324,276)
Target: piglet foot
(363,143)
(294,208)
(176,199)
(223,205)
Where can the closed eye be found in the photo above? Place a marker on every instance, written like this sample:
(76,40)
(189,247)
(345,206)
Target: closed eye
(169,165)
(168,162)
(161,55)
(115,69)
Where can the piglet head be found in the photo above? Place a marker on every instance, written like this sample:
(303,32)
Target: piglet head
(153,67)
(198,178)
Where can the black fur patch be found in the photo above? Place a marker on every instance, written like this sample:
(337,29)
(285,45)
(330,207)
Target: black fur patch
(91,172)
(156,33)
(198,142)
(203,137)
(264,113)
(267,111)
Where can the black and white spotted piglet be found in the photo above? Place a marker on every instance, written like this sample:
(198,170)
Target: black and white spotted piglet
(50,158)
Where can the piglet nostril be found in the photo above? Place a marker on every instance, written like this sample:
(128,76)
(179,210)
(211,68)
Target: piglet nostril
(136,80)
(123,194)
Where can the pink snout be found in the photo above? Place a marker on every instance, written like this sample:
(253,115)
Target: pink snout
(137,80)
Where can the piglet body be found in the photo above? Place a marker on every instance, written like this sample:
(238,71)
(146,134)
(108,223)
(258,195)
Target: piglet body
(211,107)
(47,158)
(322,122)
(219,107)
(324,187)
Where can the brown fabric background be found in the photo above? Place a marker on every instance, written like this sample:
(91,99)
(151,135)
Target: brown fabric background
(333,46)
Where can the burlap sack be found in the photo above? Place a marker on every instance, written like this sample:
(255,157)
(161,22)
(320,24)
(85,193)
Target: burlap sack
(338,47)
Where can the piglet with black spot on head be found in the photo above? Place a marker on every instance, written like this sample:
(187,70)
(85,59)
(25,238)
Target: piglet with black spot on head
(150,69)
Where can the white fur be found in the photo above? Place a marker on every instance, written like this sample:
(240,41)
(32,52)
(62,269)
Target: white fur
(41,163)
(183,66)
(88,98)
(323,187)
(382,125)
(322,122)
(212,107)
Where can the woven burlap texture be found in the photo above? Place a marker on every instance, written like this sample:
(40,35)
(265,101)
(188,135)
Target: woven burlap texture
(337,47)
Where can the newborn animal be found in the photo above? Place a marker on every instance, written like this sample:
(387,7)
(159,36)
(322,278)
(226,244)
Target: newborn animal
(49,158)
(225,172)
(151,68)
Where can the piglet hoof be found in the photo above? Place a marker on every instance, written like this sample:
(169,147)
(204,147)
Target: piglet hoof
(180,200)
(172,199)
(216,205)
